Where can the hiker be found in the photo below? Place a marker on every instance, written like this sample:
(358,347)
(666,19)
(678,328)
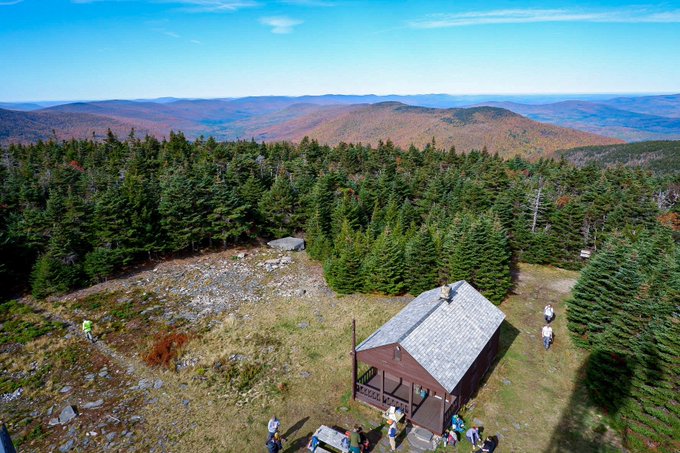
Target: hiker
(392,434)
(274,444)
(87,328)
(355,440)
(273,427)
(472,435)
(547,335)
(457,424)
(450,437)
(363,439)
(549,313)
(488,447)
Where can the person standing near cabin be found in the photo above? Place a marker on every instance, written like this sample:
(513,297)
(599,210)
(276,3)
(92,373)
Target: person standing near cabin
(87,329)
(472,435)
(547,333)
(392,434)
(273,427)
(549,313)
(355,440)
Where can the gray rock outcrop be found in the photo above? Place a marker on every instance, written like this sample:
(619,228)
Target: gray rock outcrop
(288,244)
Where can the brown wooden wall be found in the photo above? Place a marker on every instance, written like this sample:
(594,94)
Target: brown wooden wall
(470,382)
(407,368)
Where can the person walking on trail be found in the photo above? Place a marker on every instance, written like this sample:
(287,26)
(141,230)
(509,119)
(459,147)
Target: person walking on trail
(87,328)
(472,436)
(392,434)
(355,440)
(549,313)
(273,427)
(547,333)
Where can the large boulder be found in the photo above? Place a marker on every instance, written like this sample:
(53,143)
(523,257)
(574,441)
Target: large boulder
(68,414)
(288,244)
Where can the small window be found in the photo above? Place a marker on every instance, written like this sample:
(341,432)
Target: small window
(397,353)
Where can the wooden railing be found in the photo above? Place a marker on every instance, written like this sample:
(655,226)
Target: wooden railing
(367,376)
(368,391)
(388,400)
(397,402)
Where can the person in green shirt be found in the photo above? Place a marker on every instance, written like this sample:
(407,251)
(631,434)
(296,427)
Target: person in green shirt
(87,328)
(355,440)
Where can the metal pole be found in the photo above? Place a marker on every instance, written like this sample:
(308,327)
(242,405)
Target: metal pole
(354,359)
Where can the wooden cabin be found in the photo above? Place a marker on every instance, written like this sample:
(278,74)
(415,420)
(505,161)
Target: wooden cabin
(428,359)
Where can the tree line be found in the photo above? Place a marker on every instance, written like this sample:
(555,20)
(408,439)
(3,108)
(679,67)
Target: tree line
(381,219)
(624,310)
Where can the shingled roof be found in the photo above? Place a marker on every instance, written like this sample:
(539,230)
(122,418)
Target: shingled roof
(444,337)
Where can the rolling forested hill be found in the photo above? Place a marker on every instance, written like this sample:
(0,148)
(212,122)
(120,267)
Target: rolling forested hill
(281,118)
(662,157)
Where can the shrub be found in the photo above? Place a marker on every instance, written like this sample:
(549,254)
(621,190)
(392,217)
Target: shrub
(166,349)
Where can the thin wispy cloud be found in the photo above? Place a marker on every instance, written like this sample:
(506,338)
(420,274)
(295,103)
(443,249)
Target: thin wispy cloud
(166,32)
(11,3)
(195,41)
(212,6)
(321,3)
(524,16)
(191,6)
(280,25)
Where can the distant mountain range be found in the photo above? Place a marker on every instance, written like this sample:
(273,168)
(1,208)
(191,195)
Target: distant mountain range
(486,120)
(630,119)
(279,118)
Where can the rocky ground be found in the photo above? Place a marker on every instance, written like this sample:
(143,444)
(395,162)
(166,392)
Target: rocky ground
(67,394)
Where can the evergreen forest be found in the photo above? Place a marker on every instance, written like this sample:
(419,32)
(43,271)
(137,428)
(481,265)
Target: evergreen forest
(381,220)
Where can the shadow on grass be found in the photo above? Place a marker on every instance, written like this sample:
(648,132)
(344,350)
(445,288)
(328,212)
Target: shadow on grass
(293,429)
(297,444)
(605,379)
(375,435)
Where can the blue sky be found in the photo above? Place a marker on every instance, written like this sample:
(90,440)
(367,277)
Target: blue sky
(105,49)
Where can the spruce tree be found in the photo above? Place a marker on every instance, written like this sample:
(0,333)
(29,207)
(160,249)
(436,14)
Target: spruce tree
(421,262)
(383,270)
(343,269)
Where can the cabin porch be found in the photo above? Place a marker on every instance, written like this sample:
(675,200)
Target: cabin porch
(433,412)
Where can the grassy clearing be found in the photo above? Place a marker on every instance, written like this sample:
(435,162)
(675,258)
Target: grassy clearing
(256,363)
(535,397)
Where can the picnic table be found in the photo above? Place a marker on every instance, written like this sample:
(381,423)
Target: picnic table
(331,437)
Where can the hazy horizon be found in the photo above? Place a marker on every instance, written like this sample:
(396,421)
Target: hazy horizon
(581,96)
(146,49)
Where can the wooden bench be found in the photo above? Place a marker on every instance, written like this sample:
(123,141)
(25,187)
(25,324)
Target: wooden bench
(322,450)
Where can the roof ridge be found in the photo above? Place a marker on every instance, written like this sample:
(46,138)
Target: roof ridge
(432,310)
(420,321)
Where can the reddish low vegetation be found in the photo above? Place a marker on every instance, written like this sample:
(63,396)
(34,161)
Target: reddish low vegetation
(166,349)
(672,219)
